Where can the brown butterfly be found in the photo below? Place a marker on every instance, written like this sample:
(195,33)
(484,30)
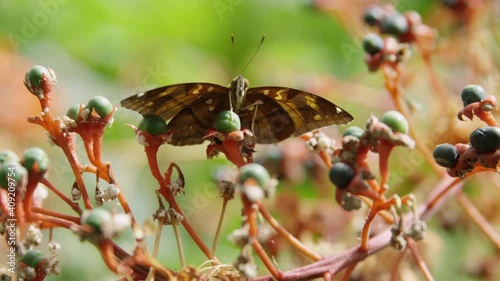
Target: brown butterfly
(272,113)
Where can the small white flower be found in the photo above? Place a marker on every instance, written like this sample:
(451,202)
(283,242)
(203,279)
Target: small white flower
(110,122)
(85,113)
(311,144)
(34,236)
(76,193)
(177,186)
(253,193)
(239,236)
(109,193)
(248,269)
(54,247)
(121,222)
(41,192)
(141,139)
(324,143)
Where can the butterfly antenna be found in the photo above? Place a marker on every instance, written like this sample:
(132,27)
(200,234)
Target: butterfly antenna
(234,53)
(237,66)
(256,51)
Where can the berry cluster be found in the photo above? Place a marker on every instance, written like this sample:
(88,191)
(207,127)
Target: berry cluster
(484,147)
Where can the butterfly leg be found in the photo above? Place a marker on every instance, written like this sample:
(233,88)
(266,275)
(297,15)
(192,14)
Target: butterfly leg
(253,107)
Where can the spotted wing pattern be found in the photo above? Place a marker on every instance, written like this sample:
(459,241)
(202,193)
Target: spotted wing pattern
(273,113)
(285,112)
(168,101)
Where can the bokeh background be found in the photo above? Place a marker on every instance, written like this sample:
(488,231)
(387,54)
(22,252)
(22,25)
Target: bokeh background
(119,48)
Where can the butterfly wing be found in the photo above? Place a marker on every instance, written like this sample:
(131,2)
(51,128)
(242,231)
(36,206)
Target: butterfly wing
(192,122)
(284,112)
(192,108)
(170,100)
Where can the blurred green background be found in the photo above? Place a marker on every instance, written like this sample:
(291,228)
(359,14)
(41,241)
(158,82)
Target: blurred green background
(119,48)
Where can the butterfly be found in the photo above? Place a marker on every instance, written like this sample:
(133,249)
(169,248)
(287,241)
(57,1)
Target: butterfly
(271,113)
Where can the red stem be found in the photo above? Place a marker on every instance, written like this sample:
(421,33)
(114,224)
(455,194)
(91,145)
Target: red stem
(420,261)
(61,195)
(336,263)
(287,235)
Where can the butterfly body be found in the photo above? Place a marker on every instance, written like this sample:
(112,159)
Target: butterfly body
(272,113)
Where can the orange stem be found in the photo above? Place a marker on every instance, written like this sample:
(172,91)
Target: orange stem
(61,195)
(55,214)
(287,235)
(478,218)
(420,261)
(347,273)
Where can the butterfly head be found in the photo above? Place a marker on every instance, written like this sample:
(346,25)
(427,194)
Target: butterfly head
(237,91)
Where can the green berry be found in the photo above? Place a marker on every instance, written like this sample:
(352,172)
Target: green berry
(396,121)
(99,219)
(11,175)
(354,131)
(395,24)
(255,171)
(40,79)
(372,43)
(32,258)
(74,112)
(446,155)
(341,174)
(35,159)
(373,15)
(227,121)
(153,124)
(485,139)
(8,155)
(472,93)
(101,105)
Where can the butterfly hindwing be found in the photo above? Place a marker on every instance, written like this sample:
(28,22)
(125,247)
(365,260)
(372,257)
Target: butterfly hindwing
(191,123)
(270,121)
(187,128)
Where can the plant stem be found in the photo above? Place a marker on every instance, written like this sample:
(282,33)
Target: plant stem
(478,218)
(179,244)
(285,234)
(395,91)
(347,273)
(420,261)
(336,263)
(61,195)
(158,237)
(219,227)
(395,268)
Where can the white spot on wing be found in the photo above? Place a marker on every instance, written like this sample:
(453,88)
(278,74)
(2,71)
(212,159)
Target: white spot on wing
(338,109)
(139,95)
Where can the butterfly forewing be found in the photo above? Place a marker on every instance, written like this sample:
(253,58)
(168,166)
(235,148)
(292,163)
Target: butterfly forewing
(284,112)
(169,100)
